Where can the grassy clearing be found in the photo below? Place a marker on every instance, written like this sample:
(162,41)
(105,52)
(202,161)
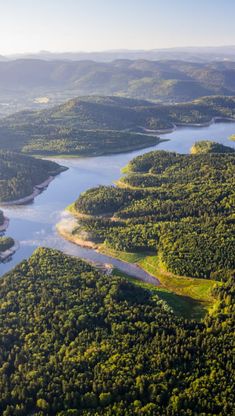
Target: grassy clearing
(188,297)
(182,306)
(122,255)
(198,289)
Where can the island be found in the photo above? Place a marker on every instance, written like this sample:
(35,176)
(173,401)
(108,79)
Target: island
(22,177)
(85,343)
(7,248)
(173,214)
(99,125)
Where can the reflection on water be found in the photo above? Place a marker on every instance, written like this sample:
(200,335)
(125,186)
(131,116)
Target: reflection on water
(34,225)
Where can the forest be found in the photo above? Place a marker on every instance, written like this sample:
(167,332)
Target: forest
(19,174)
(178,207)
(96,125)
(75,341)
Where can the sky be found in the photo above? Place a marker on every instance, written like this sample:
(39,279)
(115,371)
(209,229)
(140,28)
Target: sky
(96,25)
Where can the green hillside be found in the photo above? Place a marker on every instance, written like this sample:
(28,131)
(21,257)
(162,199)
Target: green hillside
(91,126)
(179,208)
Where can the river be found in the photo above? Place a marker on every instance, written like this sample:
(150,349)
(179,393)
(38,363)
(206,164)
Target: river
(34,225)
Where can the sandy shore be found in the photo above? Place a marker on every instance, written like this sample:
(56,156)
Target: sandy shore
(65,229)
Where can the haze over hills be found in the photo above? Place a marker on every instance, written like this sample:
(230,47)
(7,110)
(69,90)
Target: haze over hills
(192,54)
(40,83)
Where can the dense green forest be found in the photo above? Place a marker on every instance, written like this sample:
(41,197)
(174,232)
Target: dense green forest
(178,207)
(77,342)
(19,174)
(102,125)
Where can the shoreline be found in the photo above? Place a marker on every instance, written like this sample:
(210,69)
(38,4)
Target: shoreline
(145,131)
(37,190)
(158,278)
(175,126)
(65,231)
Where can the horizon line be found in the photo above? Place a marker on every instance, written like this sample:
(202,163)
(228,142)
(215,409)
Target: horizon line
(117,50)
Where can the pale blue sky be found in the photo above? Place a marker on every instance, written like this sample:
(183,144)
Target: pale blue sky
(92,25)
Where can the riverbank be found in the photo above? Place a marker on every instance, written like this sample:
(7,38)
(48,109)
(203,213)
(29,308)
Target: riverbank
(191,297)
(38,189)
(198,290)
(65,229)
(29,198)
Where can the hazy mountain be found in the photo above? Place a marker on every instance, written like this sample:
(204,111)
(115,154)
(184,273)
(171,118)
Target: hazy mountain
(36,83)
(193,54)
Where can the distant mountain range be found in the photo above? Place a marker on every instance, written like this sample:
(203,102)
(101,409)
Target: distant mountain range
(191,54)
(34,83)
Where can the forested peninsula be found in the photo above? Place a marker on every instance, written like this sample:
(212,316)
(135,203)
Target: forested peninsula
(96,125)
(23,177)
(177,211)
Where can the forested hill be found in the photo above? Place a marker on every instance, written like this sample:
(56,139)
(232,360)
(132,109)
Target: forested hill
(19,174)
(170,80)
(103,125)
(83,343)
(179,207)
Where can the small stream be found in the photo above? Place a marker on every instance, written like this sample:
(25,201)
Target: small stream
(34,225)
